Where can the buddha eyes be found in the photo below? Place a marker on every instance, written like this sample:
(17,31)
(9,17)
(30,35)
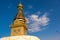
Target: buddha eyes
(16,31)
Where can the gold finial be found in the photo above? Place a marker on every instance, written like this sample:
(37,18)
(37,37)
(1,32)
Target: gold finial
(20,6)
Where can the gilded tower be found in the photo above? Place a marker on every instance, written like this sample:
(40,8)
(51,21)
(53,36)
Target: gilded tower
(18,27)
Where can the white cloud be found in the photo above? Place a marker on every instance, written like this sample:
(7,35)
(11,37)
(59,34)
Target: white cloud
(35,22)
(44,20)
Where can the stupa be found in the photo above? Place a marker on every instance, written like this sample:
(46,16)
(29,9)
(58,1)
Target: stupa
(18,27)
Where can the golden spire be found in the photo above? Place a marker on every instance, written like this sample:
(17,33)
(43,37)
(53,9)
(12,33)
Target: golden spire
(20,6)
(20,14)
(18,27)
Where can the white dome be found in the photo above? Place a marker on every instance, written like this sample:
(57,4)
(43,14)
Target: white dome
(22,37)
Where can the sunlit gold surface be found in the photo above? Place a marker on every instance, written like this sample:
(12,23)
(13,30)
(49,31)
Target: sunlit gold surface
(18,26)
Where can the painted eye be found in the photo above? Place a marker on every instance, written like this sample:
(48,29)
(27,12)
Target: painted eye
(14,30)
(17,30)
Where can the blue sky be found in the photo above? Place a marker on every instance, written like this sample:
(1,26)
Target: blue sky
(44,13)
